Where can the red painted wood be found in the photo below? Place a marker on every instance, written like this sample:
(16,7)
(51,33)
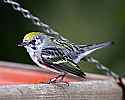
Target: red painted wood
(22,76)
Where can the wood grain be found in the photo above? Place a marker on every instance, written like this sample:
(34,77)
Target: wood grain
(86,90)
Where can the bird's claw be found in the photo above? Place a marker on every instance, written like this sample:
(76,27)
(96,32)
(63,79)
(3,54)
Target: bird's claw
(56,80)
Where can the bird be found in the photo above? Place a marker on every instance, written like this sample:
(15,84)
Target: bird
(58,54)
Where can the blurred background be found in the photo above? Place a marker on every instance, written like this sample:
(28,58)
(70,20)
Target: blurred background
(81,21)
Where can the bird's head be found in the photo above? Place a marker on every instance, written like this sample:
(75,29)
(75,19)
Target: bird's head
(32,40)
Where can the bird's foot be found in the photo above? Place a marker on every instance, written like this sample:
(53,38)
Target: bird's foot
(58,79)
(52,80)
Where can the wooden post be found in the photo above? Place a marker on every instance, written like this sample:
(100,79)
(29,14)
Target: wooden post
(96,87)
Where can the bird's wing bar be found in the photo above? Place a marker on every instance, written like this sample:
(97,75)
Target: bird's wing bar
(64,66)
(58,55)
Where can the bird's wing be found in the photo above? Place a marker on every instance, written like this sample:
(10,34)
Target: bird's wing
(54,58)
(71,50)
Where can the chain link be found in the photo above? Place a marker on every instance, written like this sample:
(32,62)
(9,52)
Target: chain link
(27,14)
(101,67)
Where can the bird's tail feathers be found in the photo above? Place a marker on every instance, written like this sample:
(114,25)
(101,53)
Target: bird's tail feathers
(87,49)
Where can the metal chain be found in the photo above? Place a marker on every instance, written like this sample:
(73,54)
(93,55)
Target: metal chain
(46,28)
(27,14)
(107,71)
(101,67)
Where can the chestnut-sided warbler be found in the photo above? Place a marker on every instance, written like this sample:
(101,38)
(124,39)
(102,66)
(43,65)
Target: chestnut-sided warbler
(56,53)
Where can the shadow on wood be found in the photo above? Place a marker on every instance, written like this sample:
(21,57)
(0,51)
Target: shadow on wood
(20,81)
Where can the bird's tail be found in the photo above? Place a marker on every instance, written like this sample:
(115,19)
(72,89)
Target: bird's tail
(87,49)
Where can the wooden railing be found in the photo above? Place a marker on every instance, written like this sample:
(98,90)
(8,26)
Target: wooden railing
(20,81)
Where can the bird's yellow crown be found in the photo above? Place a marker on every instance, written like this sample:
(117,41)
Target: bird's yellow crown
(31,35)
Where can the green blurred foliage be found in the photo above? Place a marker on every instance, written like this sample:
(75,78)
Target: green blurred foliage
(81,21)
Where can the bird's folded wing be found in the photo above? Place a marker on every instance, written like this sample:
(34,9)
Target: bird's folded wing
(60,63)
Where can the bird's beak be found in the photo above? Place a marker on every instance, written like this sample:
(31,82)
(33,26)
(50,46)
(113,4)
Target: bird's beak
(20,43)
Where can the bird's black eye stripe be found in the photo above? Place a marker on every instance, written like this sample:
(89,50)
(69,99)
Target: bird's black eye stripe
(33,42)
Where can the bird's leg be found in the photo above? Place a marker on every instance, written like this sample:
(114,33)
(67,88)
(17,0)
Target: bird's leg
(54,80)
(59,78)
